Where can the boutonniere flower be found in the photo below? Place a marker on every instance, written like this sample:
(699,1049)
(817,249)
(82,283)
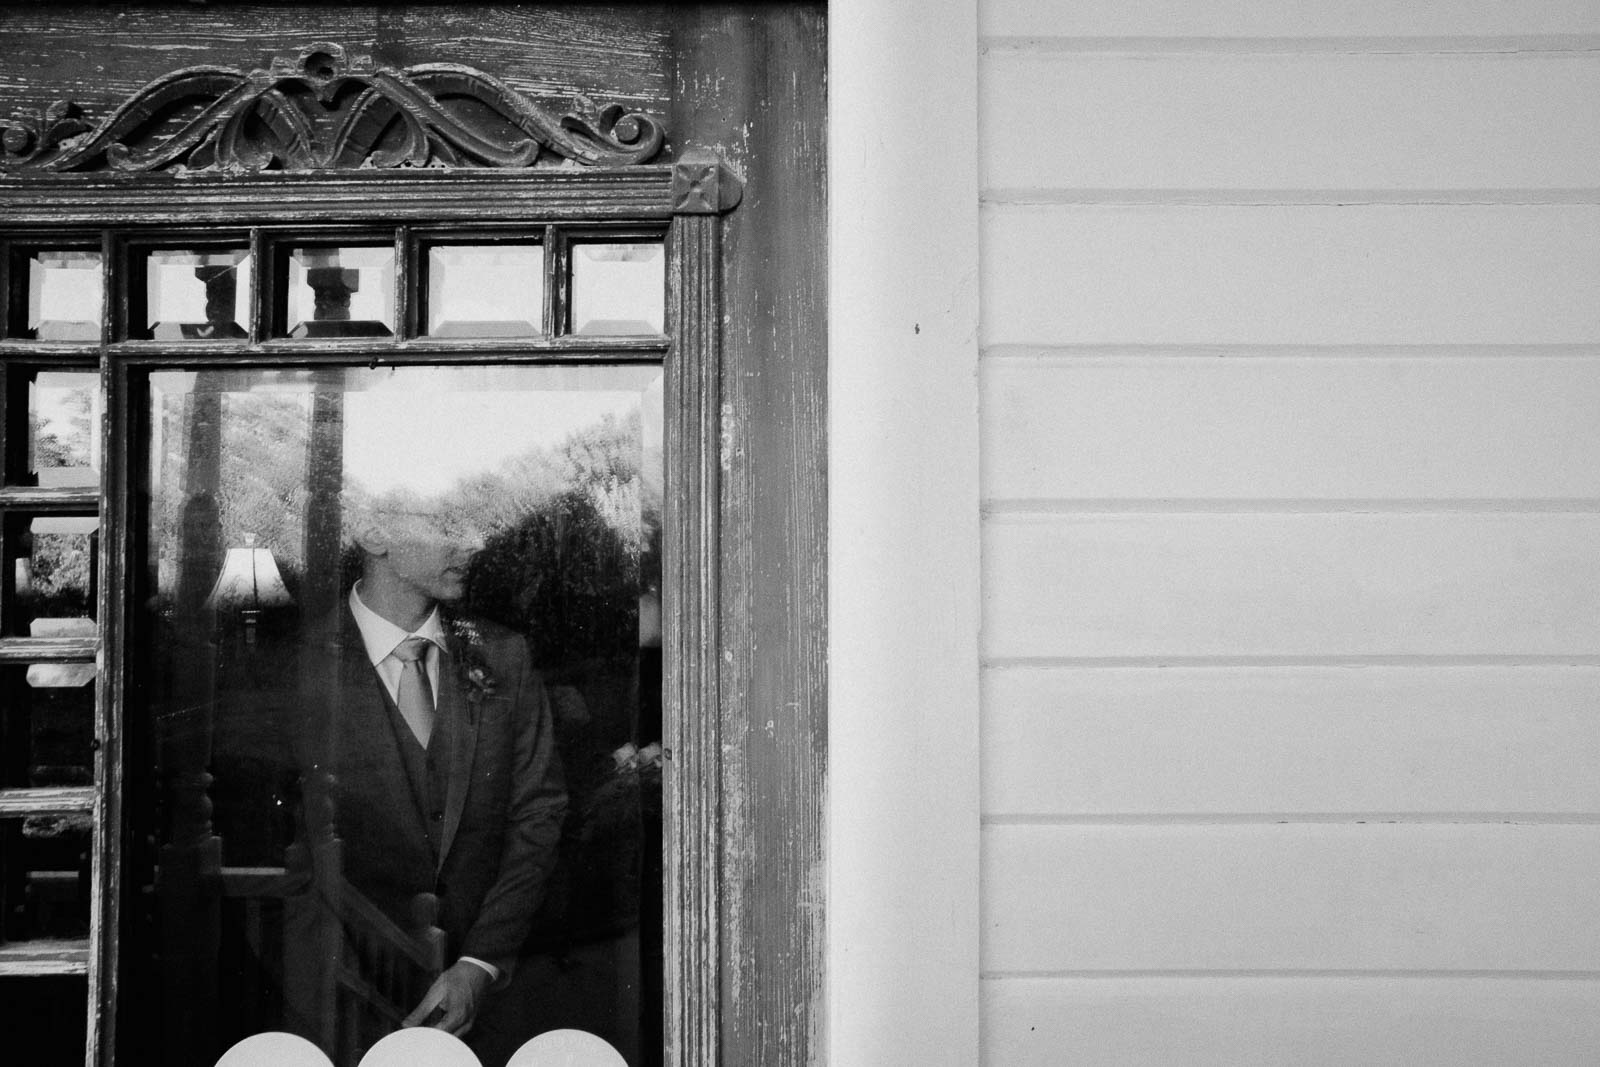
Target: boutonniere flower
(477,680)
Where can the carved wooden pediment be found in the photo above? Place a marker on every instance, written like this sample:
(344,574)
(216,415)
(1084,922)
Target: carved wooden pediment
(324,110)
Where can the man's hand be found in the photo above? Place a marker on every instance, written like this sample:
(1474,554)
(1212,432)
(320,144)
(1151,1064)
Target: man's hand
(452,1001)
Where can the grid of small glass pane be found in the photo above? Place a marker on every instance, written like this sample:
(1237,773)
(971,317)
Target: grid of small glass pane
(51,416)
(461,289)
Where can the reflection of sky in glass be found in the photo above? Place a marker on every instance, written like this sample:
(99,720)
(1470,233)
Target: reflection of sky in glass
(405,439)
(618,289)
(65,297)
(487,443)
(485,290)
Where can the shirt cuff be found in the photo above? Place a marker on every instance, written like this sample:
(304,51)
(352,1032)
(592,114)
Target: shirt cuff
(494,972)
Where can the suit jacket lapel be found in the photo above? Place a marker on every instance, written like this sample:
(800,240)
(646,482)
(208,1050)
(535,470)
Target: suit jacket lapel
(455,708)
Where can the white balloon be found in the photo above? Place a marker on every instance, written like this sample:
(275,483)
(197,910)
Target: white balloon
(567,1048)
(274,1049)
(420,1046)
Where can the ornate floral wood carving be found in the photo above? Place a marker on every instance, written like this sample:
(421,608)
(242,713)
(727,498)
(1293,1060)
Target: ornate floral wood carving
(324,110)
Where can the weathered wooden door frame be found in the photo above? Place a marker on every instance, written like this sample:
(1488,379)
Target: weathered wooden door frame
(736,63)
(690,198)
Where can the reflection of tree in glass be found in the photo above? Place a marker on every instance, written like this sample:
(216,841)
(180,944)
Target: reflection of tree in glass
(58,580)
(568,573)
(58,564)
(263,490)
(63,440)
(261,486)
(601,460)
(565,577)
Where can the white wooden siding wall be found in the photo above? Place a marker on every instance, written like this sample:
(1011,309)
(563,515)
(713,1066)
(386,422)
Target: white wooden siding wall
(1291,474)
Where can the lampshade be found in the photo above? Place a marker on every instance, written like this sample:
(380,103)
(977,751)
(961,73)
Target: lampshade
(249,581)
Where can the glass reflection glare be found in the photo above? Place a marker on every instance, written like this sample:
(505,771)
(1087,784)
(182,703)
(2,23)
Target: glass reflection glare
(66,299)
(618,288)
(340,844)
(486,290)
(341,292)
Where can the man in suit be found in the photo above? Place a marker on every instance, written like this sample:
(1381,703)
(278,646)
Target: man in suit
(443,781)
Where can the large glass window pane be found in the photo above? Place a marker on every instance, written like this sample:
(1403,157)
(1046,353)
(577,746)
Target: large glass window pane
(486,290)
(341,291)
(337,811)
(618,288)
(197,296)
(66,298)
(64,428)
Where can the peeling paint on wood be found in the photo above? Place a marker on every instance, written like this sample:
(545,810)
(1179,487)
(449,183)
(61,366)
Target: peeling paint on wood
(750,85)
(100,55)
(748,82)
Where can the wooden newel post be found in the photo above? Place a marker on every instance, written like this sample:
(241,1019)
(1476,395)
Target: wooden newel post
(313,934)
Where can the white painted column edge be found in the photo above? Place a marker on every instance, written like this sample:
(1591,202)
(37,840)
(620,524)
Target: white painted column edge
(903,543)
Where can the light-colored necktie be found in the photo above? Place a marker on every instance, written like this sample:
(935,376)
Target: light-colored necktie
(415,694)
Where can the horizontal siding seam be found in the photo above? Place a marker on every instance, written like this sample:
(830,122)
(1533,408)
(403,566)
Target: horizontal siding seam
(1078,352)
(1311,818)
(1000,508)
(1220,662)
(1313,199)
(996,197)
(1289,974)
(1511,45)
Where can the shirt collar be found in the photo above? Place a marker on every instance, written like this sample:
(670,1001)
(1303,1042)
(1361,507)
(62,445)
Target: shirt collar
(381,637)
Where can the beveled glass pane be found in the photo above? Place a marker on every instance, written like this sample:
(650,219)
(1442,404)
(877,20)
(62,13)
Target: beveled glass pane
(47,1004)
(55,569)
(64,428)
(46,860)
(48,713)
(66,300)
(198,296)
(618,288)
(341,291)
(512,515)
(486,290)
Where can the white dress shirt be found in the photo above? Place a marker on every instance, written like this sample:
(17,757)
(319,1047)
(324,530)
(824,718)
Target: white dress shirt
(381,637)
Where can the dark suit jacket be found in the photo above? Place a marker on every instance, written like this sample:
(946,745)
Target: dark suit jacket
(505,800)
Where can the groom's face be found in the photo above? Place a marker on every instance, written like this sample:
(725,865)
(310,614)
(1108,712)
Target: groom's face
(430,556)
